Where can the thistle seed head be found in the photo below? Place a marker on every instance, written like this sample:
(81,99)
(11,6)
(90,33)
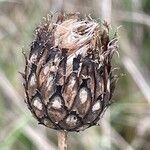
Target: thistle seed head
(68,74)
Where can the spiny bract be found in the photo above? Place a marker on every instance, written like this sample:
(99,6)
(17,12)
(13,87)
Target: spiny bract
(68,74)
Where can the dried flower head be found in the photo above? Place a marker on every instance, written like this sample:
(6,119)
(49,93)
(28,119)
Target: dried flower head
(68,74)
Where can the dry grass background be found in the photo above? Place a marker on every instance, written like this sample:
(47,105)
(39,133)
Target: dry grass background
(126,125)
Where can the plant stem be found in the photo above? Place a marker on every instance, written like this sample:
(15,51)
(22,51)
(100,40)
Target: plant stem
(62,140)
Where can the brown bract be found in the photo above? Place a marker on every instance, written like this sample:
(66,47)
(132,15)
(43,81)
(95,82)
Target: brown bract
(68,74)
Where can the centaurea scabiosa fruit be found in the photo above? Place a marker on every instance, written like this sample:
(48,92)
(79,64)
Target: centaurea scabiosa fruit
(68,75)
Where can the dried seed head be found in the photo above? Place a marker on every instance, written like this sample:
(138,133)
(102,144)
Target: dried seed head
(68,74)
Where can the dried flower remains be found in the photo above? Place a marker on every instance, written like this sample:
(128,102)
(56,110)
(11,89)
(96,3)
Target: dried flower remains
(68,74)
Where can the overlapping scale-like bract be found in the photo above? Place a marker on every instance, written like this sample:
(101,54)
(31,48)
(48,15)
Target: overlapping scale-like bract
(68,74)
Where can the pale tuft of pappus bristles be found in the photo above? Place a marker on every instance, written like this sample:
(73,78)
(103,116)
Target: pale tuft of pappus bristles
(77,36)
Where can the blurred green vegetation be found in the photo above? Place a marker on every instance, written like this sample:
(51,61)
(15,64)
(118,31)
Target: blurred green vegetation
(129,114)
